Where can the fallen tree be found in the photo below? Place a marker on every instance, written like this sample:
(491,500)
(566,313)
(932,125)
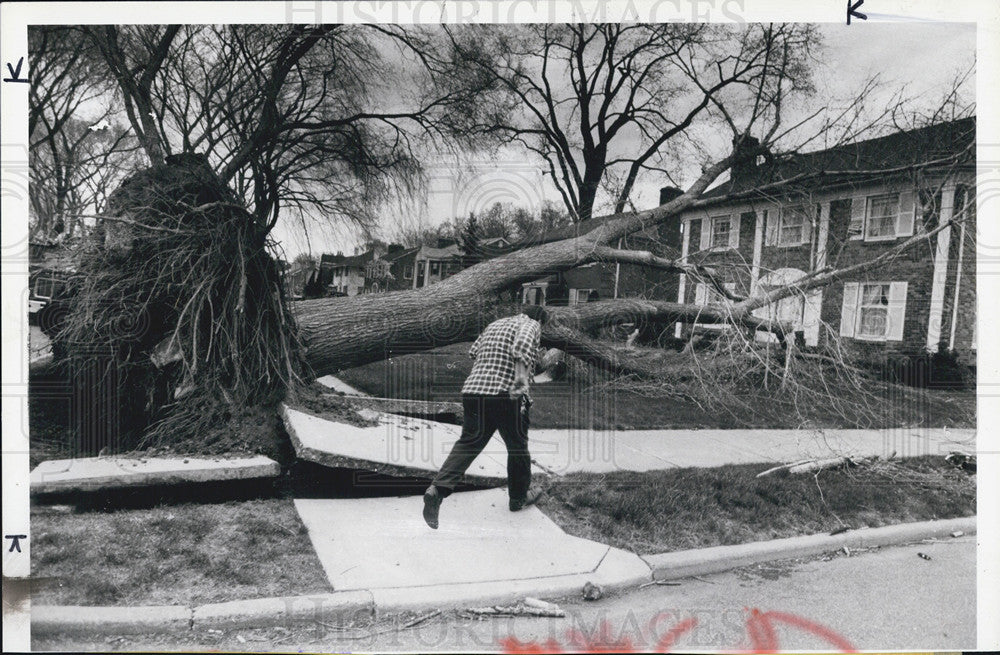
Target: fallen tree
(221,307)
(345,332)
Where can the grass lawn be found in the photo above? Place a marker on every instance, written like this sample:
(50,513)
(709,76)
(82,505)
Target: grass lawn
(183,554)
(677,509)
(438,375)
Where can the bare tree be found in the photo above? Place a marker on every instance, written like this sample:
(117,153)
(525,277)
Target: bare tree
(614,100)
(77,154)
(309,119)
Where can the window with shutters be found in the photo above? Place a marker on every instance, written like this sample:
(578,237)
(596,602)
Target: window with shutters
(720,232)
(880,221)
(793,226)
(873,310)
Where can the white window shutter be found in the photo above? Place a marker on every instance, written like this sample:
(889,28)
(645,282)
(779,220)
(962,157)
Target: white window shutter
(706,233)
(905,218)
(811,316)
(572,296)
(897,311)
(734,231)
(770,218)
(857,226)
(849,310)
(700,293)
(809,226)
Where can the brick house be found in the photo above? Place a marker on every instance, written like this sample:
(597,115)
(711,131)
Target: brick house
(776,220)
(396,270)
(412,268)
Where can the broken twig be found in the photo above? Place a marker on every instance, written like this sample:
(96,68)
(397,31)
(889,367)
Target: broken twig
(516,610)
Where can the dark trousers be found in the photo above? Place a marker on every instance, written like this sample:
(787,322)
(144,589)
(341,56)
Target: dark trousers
(484,415)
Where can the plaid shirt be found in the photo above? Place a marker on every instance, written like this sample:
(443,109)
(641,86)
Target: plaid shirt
(503,342)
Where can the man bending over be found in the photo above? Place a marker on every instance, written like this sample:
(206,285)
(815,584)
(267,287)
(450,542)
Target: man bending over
(495,397)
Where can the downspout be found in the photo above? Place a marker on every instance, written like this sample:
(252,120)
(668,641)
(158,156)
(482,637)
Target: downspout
(958,286)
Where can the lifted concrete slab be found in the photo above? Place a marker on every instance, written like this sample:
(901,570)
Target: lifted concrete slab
(383,543)
(398,446)
(339,385)
(428,409)
(108,473)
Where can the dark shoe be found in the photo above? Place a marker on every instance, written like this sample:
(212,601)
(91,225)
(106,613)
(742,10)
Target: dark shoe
(432,503)
(517,505)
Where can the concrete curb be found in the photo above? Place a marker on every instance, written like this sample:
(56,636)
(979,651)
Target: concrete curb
(263,612)
(702,561)
(113,620)
(617,571)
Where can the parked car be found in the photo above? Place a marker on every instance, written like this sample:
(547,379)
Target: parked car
(46,286)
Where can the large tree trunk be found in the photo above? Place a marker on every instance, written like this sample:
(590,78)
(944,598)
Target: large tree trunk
(345,332)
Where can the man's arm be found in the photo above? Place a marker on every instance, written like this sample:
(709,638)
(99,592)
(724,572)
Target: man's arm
(524,352)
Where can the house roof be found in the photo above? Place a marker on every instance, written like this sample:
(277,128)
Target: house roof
(357,261)
(858,161)
(850,162)
(399,254)
(440,253)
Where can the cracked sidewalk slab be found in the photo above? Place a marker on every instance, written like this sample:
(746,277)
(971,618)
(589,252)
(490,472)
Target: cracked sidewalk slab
(398,446)
(107,473)
(383,543)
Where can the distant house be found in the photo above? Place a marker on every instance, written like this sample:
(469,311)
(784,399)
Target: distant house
(435,264)
(495,242)
(775,221)
(391,269)
(413,268)
(296,277)
(344,275)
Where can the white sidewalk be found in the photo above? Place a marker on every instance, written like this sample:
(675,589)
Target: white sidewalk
(407,446)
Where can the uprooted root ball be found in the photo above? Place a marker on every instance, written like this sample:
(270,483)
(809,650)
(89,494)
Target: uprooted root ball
(178,302)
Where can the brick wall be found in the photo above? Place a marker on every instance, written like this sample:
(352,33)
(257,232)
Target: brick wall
(916,267)
(398,269)
(600,277)
(733,265)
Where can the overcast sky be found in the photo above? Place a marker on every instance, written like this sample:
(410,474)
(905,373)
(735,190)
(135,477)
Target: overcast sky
(922,56)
